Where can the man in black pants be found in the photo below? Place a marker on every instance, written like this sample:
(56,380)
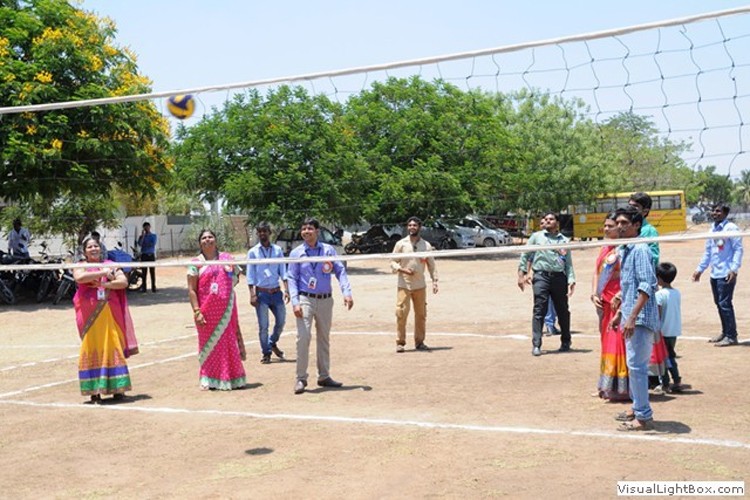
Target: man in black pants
(147,242)
(553,278)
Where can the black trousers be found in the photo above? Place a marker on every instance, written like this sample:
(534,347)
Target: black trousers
(550,286)
(149,257)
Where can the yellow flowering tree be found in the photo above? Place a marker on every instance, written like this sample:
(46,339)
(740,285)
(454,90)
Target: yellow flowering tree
(64,165)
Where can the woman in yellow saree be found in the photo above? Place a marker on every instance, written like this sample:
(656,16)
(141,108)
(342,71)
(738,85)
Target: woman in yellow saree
(104,325)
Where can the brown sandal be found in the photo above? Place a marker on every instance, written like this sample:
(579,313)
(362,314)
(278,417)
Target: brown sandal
(625,416)
(641,426)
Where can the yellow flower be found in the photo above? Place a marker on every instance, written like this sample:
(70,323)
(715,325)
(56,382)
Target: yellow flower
(57,144)
(30,129)
(82,134)
(44,77)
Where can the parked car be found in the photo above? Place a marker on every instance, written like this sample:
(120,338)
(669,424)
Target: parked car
(483,232)
(443,236)
(289,238)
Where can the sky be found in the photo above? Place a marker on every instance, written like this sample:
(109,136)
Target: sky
(190,43)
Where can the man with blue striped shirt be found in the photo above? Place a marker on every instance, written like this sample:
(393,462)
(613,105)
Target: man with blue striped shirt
(724,255)
(640,316)
(310,292)
(265,292)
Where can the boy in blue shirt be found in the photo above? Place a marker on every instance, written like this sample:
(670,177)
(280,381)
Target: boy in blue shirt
(670,316)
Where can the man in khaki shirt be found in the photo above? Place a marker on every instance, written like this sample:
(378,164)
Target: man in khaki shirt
(412,285)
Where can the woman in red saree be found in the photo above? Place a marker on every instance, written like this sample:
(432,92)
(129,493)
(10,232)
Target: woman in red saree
(613,375)
(221,349)
(104,325)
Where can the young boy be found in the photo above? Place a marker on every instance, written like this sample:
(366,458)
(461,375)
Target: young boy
(670,315)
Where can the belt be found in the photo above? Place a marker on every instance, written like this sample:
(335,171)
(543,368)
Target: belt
(268,290)
(316,295)
(549,273)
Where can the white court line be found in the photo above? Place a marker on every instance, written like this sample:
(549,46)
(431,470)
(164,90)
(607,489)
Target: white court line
(73,356)
(722,443)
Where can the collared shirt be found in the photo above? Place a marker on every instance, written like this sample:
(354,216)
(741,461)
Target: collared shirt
(18,242)
(555,261)
(414,281)
(266,275)
(300,274)
(649,231)
(723,255)
(147,243)
(637,275)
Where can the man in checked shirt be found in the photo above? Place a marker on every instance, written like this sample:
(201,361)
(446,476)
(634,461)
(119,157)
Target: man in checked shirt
(640,317)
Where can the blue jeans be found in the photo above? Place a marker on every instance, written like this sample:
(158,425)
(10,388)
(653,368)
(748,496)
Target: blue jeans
(551,317)
(723,294)
(638,351)
(274,302)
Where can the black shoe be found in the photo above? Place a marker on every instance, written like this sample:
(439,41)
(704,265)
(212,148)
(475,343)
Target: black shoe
(153,290)
(299,387)
(278,352)
(564,348)
(142,290)
(536,351)
(422,347)
(329,382)
(266,359)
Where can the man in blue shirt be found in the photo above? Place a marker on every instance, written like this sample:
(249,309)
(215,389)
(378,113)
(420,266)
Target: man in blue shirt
(640,316)
(724,255)
(265,292)
(310,294)
(147,242)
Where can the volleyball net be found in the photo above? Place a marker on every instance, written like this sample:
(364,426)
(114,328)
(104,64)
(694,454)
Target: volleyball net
(689,76)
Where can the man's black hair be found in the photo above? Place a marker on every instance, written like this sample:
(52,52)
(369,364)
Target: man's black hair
(414,218)
(723,206)
(311,221)
(632,214)
(643,199)
(264,224)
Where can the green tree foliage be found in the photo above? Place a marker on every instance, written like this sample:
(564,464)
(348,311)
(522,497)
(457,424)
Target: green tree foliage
(278,158)
(742,189)
(709,187)
(407,146)
(637,158)
(49,52)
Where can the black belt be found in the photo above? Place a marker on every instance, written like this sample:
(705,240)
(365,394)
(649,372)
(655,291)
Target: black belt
(316,295)
(549,273)
(268,290)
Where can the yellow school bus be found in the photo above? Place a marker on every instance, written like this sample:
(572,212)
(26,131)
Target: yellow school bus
(668,213)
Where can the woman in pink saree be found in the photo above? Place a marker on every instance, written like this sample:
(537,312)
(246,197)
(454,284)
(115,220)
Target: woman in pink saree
(104,325)
(613,375)
(221,349)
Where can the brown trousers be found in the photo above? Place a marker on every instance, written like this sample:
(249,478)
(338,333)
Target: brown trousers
(419,298)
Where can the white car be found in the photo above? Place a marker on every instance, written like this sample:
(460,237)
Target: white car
(484,234)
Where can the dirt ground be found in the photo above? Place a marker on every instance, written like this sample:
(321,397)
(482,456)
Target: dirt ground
(477,416)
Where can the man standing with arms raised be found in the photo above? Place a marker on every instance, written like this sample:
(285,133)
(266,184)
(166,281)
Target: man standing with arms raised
(265,292)
(412,285)
(310,292)
(553,279)
(724,255)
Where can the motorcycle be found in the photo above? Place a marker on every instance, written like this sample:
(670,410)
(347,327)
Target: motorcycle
(67,286)
(47,279)
(7,280)
(135,275)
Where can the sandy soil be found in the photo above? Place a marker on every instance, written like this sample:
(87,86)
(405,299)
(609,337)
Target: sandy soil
(478,416)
